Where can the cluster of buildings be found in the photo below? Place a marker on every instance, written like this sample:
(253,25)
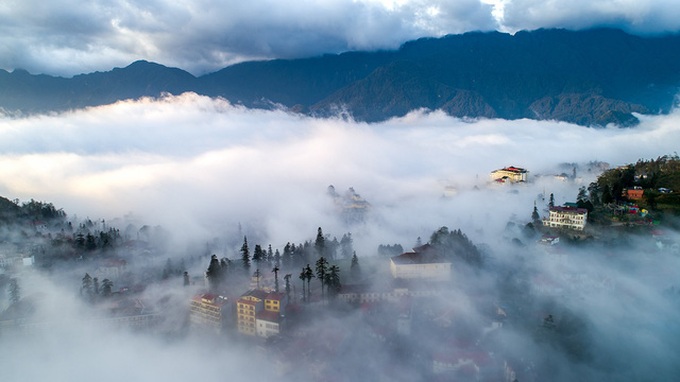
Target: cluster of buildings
(257,312)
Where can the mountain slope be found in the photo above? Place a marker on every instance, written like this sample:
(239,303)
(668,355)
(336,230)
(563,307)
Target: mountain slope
(592,77)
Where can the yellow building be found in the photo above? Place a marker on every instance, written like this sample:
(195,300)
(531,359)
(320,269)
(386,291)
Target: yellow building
(260,313)
(209,311)
(247,307)
(509,174)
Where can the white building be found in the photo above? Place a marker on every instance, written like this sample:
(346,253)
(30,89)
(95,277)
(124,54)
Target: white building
(567,217)
(423,263)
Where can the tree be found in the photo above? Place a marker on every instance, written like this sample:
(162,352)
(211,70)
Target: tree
(257,275)
(287,279)
(321,270)
(95,286)
(270,255)
(354,267)
(582,195)
(320,243)
(187,281)
(346,246)
(258,255)
(245,255)
(277,258)
(214,273)
(87,285)
(276,278)
(303,277)
(309,275)
(333,280)
(534,215)
(107,287)
(14,290)
(551,202)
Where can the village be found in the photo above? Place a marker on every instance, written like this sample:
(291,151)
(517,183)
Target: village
(455,327)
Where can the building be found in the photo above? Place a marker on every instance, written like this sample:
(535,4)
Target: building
(247,307)
(510,174)
(209,311)
(636,193)
(261,313)
(423,263)
(567,217)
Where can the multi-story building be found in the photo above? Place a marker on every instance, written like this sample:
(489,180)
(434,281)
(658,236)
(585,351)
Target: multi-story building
(567,217)
(247,307)
(423,263)
(209,311)
(261,313)
(509,174)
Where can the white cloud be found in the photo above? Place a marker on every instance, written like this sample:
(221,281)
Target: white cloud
(197,165)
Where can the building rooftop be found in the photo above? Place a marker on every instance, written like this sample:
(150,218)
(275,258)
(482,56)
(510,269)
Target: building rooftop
(569,209)
(428,257)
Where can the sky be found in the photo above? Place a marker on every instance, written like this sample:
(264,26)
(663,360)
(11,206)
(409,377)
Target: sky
(204,169)
(68,37)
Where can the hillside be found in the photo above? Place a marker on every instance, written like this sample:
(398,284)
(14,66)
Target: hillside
(591,78)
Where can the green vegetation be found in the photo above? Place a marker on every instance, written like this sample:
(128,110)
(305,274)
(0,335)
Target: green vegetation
(658,178)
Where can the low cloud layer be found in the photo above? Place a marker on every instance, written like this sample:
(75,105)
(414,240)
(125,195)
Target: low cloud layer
(68,37)
(200,166)
(203,169)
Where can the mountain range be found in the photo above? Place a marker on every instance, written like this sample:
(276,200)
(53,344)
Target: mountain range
(591,77)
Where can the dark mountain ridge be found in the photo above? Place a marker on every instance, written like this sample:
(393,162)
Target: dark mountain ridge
(592,77)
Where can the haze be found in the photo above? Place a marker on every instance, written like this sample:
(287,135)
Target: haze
(206,170)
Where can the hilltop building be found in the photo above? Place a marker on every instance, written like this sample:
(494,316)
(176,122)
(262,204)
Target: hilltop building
(260,312)
(209,311)
(424,263)
(567,217)
(510,174)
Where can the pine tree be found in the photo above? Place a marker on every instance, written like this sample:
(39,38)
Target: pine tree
(333,280)
(303,277)
(534,215)
(321,270)
(287,279)
(87,285)
(354,267)
(107,287)
(214,273)
(245,255)
(276,278)
(551,202)
(346,246)
(258,255)
(320,243)
(309,275)
(14,291)
(187,281)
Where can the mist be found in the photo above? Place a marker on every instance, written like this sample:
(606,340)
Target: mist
(208,171)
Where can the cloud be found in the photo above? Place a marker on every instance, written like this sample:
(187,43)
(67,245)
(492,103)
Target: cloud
(642,17)
(70,38)
(198,165)
(203,169)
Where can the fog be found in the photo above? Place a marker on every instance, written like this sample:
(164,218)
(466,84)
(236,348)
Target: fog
(207,171)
